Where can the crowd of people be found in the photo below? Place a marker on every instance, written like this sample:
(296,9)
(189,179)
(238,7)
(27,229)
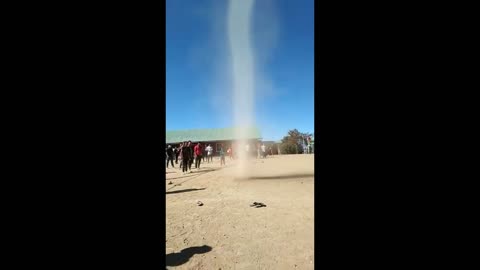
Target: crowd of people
(189,153)
(261,151)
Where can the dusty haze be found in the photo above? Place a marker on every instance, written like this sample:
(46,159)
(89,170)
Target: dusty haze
(239,37)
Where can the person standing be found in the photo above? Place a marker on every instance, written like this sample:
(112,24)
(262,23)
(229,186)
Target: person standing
(186,153)
(264,152)
(222,156)
(170,155)
(192,154)
(177,152)
(198,153)
(209,153)
(229,152)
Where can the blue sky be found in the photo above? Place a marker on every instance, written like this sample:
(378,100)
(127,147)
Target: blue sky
(198,67)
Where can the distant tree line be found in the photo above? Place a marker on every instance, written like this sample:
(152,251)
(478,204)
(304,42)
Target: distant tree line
(292,143)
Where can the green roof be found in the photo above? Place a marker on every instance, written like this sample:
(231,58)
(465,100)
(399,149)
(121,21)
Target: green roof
(205,135)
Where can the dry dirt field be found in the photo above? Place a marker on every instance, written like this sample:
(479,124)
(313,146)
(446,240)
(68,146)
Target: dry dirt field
(226,232)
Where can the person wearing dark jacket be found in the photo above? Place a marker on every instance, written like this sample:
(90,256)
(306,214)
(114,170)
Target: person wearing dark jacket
(190,145)
(186,154)
(170,155)
(177,151)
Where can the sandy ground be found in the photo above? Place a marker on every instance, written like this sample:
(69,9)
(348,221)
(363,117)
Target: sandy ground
(226,233)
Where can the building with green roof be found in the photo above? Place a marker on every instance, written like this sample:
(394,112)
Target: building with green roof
(216,137)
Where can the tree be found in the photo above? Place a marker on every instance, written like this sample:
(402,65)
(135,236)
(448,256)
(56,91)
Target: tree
(293,142)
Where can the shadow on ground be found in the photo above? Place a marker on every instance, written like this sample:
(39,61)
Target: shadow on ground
(176,259)
(202,171)
(194,173)
(274,177)
(184,190)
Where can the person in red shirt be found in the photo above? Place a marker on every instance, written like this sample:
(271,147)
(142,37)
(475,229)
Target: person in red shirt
(198,155)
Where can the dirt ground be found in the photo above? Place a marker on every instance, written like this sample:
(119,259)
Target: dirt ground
(226,233)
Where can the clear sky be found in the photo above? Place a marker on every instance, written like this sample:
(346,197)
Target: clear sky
(198,67)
